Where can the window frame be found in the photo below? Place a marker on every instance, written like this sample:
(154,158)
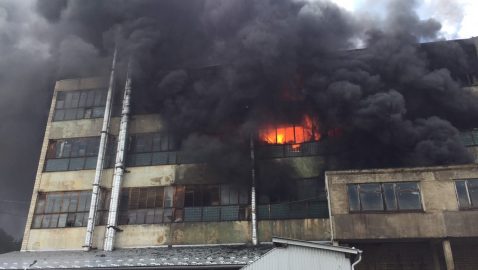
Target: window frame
(383,200)
(472,205)
(77,107)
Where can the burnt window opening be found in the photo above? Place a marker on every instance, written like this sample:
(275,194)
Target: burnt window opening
(380,197)
(80,104)
(149,149)
(68,209)
(306,198)
(77,154)
(153,205)
(467,193)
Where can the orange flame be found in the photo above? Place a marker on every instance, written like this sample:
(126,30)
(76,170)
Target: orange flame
(293,134)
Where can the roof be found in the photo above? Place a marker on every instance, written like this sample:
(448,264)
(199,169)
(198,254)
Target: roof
(161,257)
(284,241)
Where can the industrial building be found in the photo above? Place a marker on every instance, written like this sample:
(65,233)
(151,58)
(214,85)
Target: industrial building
(110,181)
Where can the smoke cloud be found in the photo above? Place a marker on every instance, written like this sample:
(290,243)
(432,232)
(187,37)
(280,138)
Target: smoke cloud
(219,71)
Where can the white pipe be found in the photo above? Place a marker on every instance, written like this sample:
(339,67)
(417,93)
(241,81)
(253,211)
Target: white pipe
(253,193)
(331,221)
(119,165)
(357,261)
(90,227)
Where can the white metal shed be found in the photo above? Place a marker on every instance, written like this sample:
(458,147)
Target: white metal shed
(291,254)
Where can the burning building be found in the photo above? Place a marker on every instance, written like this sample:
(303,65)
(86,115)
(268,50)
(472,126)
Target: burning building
(267,126)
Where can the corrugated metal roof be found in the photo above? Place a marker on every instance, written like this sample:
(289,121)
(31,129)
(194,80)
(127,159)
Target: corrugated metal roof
(172,257)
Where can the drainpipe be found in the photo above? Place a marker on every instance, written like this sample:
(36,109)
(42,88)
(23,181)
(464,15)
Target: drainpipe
(357,260)
(331,218)
(253,192)
(90,227)
(119,165)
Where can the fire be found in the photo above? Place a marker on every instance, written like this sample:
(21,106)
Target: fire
(291,134)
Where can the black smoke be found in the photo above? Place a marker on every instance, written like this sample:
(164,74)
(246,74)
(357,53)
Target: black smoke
(217,71)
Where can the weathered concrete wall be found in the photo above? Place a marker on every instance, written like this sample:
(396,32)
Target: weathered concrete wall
(304,229)
(440,217)
(145,176)
(73,180)
(81,83)
(62,238)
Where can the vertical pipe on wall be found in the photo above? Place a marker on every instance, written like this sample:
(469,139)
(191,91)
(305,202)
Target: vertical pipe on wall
(119,165)
(90,227)
(253,192)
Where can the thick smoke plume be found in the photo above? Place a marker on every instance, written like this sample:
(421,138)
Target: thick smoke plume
(219,71)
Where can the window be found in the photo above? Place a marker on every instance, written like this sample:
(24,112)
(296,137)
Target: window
(68,209)
(77,154)
(183,203)
(467,193)
(80,104)
(151,149)
(469,138)
(403,196)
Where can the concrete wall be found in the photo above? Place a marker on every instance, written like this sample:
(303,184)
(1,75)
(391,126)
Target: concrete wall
(440,217)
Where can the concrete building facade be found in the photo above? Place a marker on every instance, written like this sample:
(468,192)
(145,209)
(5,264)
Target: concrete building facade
(407,218)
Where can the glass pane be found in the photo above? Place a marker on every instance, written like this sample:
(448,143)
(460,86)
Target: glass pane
(76,164)
(66,149)
(149,216)
(62,220)
(140,216)
(160,158)
(54,165)
(408,196)
(168,215)
(230,212)
(83,98)
(65,203)
(211,195)
(70,114)
(150,198)
(80,113)
(132,217)
(40,207)
(473,190)
(79,219)
(371,197)
(193,214)
(98,112)
(83,198)
(73,202)
(156,142)
(92,147)
(354,204)
(98,97)
(244,195)
(225,194)
(142,198)
(37,221)
(46,221)
(88,113)
(57,202)
(158,216)
(211,213)
(70,220)
(90,101)
(90,163)
(75,98)
(143,159)
(168,196)
(60,100)
(59,115)
(179,197)
(68,97)
(462,194)
(389,195)
(54,221)
(133,198)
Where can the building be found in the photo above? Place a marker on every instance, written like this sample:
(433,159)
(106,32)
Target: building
(408,218)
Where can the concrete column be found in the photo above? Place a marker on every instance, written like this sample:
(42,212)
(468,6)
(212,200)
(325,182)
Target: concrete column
(450,265)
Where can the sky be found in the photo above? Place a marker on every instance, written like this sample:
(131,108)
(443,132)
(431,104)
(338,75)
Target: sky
(458,17)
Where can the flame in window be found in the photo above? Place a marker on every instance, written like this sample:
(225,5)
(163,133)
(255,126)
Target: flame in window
(291,134)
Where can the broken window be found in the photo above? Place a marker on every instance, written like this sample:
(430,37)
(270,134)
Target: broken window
(77,154)
(68,209)
(404,196)
(151,149)
(467,193)
(183,203)
(80,104)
